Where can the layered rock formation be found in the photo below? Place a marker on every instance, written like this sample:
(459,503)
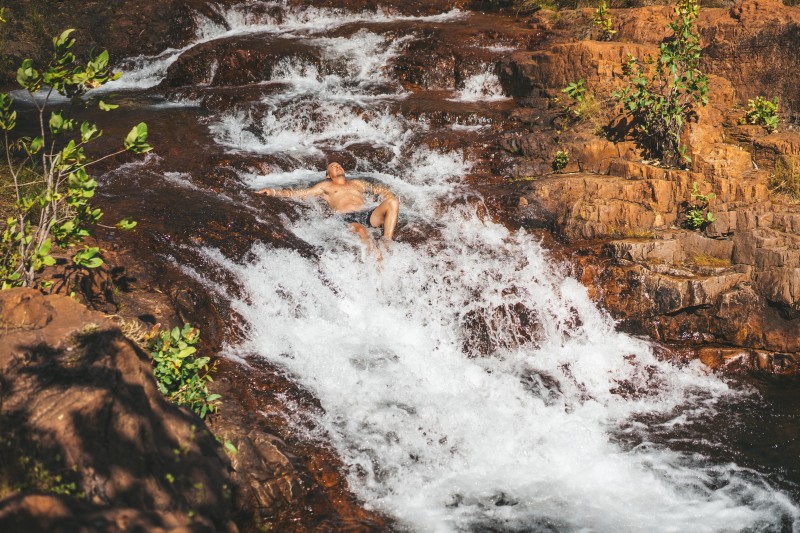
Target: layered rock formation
(737,283)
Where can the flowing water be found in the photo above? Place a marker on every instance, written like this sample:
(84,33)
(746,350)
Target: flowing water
(465,381)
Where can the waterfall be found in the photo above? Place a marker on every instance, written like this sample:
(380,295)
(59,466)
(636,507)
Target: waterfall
(466,382)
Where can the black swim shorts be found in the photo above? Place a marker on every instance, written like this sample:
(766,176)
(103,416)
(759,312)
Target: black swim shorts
(360,217)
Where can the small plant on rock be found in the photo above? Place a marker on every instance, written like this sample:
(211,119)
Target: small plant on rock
(763,112)
(585,107)
(576,90)
(698,215)
(602,20)
(560,160)
(662,102)
(182,377)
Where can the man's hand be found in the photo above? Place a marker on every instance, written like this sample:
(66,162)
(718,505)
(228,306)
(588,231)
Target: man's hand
(268,192)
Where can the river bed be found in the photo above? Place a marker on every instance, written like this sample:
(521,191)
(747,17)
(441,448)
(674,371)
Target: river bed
(466,381)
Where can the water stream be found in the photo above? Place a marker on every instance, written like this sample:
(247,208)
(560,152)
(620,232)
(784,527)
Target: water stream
(467,383)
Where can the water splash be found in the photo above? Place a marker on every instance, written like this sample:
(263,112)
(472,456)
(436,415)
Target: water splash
(446,442)
(482,87)
(144,72)
(467,384)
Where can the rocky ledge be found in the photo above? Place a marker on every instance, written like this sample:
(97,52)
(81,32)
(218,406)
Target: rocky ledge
(732,289)
(87,441)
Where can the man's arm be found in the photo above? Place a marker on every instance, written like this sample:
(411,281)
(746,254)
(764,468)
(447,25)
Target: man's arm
(316,190)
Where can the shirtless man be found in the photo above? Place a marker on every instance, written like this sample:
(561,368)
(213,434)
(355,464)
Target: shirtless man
(347,197)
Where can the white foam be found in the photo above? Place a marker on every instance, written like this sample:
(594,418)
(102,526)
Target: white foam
(181,179)
(255,17)
(41,96)
(467,384)
(436,438)
(251,18)
(303,130)
(500,48)
(482,87)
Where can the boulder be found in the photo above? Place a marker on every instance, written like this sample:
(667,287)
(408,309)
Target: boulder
(81,417)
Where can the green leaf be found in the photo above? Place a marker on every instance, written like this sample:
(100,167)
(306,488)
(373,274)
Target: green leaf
(230,447)
(89,132)
(126,224)
(94,262)
(106,107)
(63,39)
(101,61)
(28,77)
(136,140)
(186,352)
(36,144)
(88,258)
(56,122)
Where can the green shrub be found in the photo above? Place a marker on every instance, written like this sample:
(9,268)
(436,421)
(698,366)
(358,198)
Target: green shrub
(697,214)
(662,103)
(602,20)
(182,377)
(51,203)
(763,112)
(576,90)
(560,160)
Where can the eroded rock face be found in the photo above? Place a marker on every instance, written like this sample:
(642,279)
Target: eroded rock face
(281,480)
(79,400)
(755,47)
(737,281)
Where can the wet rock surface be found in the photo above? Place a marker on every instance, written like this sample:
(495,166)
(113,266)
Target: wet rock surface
(125,28)
(82,417)
(279,477)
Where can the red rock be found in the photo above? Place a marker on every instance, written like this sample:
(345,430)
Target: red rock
(80,399)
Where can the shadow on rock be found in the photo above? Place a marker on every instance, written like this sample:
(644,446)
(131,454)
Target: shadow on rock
(88,440)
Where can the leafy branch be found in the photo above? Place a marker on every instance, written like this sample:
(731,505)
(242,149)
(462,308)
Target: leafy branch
(59,212)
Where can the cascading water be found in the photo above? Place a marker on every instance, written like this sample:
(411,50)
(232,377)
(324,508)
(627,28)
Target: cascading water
(467,384)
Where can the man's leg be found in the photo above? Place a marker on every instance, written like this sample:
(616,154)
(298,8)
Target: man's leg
(386,215)
(361,231)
